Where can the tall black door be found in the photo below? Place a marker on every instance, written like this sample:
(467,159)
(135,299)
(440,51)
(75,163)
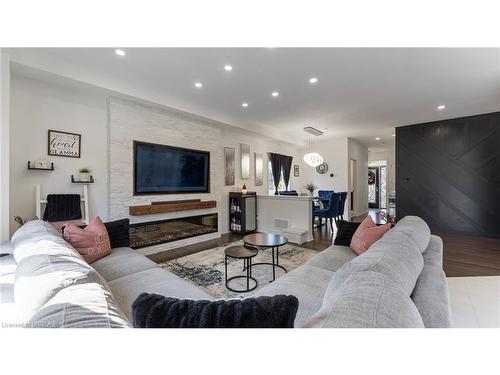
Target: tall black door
(374,187)
(448,173)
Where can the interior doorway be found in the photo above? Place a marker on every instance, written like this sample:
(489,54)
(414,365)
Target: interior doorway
(353,170)
(373,187)
(377,184)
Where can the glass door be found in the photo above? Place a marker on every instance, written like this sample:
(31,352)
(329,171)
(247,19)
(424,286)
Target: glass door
(373,187)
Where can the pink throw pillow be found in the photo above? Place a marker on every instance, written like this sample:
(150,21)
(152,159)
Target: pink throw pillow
(366,234)
(92,242)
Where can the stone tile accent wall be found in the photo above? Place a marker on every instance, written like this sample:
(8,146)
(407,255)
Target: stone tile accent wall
(129,121)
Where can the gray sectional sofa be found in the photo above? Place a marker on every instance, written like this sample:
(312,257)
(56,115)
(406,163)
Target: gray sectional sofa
(399,282)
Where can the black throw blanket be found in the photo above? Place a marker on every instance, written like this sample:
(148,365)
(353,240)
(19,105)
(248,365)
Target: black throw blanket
(155,311)
(63,207)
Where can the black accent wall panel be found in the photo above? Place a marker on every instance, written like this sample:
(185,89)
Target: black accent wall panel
(448,173)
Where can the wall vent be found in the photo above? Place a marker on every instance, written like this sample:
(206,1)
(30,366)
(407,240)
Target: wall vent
(281,223)
(313,131)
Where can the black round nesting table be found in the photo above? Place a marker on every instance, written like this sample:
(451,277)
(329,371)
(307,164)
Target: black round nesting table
(241,252)
(262,241)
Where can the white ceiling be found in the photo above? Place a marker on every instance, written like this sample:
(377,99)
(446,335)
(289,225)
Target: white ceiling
(361,92)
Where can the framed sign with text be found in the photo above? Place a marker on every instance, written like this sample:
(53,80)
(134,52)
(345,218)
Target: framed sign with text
(64,144)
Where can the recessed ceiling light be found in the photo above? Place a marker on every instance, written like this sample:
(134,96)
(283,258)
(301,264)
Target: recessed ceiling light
(441,107)
(313,80)
(198,85)
(377,139)
(120,52)
(394,135)
(275,93)
(244,104)
(228,68)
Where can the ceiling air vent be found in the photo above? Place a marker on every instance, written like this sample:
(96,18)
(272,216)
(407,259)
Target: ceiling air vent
(313,131)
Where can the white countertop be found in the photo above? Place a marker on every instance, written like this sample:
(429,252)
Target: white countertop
(286,197)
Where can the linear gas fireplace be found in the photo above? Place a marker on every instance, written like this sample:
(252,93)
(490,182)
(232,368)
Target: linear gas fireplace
(161,231)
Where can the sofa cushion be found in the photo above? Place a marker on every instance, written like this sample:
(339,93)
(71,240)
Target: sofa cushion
(399,262)
(37,238)
(8,312)
(80,306)
(416,230)
(332,258)
(367,300)
(431,298)
(121,262)
(155,311)
(307,283)
(394,255)
(155,280)
(30,230)
(40,277)
(433,255)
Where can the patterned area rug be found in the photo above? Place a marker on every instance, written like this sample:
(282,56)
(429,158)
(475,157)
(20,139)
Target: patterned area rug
(206,269)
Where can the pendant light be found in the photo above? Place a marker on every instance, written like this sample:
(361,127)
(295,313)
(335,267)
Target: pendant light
(311,157)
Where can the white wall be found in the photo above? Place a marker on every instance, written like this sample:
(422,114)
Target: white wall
(37,106)
(130,120)
(4,144)
(358,152)
(334,152)
(337,152)
(259,144)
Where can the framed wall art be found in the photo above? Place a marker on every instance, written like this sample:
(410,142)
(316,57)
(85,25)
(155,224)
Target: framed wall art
(64,144)
(259,169)
(245,161)
(229,166)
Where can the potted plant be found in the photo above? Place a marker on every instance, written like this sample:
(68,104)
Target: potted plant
(310,188)
(84,174)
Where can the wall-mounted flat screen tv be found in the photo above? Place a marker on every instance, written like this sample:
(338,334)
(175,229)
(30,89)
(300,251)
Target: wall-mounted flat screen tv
(161,169)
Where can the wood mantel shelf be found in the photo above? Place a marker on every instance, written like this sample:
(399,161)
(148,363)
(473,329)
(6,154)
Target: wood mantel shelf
(169,207)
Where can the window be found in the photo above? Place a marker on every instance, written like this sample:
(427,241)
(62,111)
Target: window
(270,181)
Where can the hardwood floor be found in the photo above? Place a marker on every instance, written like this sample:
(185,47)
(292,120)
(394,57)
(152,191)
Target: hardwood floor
(465,255)
(470,256)
(322,238)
